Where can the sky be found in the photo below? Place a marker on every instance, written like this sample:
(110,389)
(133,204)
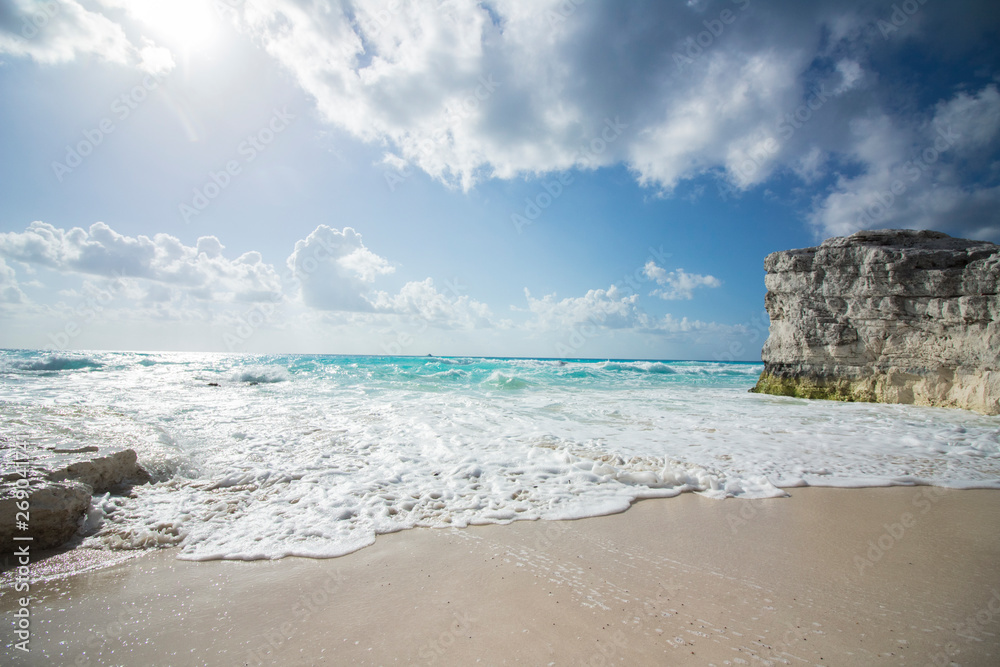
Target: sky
(574,178)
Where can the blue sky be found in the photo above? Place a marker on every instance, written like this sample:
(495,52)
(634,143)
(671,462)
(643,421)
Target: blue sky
(534,178)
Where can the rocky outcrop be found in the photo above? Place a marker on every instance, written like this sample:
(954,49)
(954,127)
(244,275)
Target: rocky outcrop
(895,316)
(54,513)
(103,473)
(61,485)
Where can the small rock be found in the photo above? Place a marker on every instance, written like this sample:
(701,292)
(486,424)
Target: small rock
(78,450)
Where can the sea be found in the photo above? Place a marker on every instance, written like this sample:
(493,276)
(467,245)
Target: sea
(267,456)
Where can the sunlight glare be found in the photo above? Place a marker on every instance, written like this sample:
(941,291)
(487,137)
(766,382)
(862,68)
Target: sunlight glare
(188,24)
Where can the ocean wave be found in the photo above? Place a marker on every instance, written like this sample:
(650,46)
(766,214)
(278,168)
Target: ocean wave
(682,478)
(57,363)
(255,512)
(639,366)
(451,362)
(261,374)
(718,368)
(506,382)
(537,363)
(449,374)
(370,445)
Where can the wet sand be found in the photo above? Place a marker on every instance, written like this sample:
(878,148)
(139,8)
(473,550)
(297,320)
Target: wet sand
(898,576)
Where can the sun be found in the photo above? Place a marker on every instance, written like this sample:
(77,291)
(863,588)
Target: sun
(187,25)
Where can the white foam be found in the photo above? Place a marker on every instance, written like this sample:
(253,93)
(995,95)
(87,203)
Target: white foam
(449,374)
(503,380)
(639,366)
(261,374)
(317,463)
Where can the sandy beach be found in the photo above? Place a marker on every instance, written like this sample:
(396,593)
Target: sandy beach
(525,332)
(900,576)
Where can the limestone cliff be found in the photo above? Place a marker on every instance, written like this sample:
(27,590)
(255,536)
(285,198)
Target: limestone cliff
(895,316)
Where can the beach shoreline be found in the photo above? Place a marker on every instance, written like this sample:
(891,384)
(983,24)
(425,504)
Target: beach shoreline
(901,575)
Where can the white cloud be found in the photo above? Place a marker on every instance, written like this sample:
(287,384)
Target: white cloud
(155,59)
(141,283)
(467,90)
(10,291)
(330,270)
(677,284)
(914,172)
(421,301)
(975,119)
(609,308)
(810,167)
(599,317)
(202,270)
(723,116)
(59,31)
(210,246)
(335,269)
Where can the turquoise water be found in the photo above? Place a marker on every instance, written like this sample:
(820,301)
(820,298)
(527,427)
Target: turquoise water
(264,456)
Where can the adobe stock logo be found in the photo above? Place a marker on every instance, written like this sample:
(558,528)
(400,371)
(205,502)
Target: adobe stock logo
(31,25)
(249,149)
(586,157)
(122,107)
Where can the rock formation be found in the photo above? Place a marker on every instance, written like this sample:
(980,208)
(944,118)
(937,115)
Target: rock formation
(894,316)
(61,487)
(103,473)
(55,509)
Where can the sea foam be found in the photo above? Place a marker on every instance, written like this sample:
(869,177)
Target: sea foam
(316,456)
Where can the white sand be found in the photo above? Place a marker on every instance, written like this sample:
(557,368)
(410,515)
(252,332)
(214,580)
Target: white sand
(796,581)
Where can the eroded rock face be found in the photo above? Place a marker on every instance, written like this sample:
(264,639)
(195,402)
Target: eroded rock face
(896,316)
(104,473)
(55,510)
(60,493)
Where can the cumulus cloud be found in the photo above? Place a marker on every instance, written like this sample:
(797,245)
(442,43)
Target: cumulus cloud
(610,309)
(422,301)
(335,270)
(462,90)
(101,251)
(677,284)
(59,31)
(10,290)
(919,175)
(155,59)
(741,91)
(329,270)
(328,286)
